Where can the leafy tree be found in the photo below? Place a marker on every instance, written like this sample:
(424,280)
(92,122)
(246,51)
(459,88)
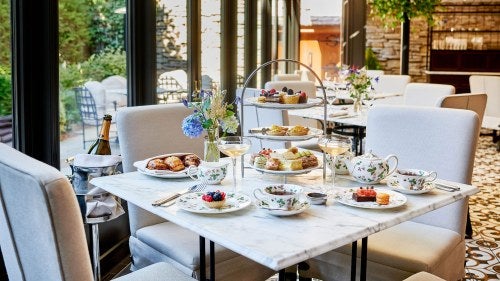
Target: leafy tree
(74,30)
(107,28)
(5,92)
(5,32)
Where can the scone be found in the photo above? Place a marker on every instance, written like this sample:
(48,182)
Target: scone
(157,164)
(382,198)
(191,160)
(174,163)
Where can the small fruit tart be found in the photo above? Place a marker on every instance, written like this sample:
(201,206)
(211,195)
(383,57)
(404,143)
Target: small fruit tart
(214,199)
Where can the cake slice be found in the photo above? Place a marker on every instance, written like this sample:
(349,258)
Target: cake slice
(365,195)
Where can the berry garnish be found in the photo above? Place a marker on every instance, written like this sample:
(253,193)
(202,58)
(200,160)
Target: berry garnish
(290,91)
(284,89)
(214,196)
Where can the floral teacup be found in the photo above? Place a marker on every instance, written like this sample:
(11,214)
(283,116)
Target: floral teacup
(279,197)
(208,172)
(414,179)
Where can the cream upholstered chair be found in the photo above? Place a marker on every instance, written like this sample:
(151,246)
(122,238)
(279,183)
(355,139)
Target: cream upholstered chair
(491,86)
(426,94)
(41,228)
(287,77)
(423,276)
(439,139)
(116,90)
(147,131)
(474,102)
(372,73)
(391,84)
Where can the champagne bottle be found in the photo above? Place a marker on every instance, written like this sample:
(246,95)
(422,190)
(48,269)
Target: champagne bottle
(101,145)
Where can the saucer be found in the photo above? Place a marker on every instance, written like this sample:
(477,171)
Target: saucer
(299,208)
(393,183)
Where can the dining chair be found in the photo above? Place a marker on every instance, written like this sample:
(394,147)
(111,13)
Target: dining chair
(429,138)
(146,131)
(287,77)
(41,228)
(474,102)
(116,90)
(391,84)
(372,73)
(88,111)
(426,94)
(490,85)
(99,94)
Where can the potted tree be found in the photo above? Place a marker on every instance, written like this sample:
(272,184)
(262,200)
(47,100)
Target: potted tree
(393,12)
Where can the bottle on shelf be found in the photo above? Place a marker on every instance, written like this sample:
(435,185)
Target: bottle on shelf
(101,145)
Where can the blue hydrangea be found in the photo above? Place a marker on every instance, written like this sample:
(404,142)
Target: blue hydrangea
(191,126)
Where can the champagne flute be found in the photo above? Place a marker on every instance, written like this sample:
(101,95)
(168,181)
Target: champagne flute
(234,146)
(334,145)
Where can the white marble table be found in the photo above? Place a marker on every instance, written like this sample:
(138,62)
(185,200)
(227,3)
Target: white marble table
(277,242)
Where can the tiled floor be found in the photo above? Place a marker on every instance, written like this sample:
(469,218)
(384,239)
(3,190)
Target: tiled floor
(483,250)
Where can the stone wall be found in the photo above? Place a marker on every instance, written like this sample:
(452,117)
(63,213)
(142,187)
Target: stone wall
(385,42)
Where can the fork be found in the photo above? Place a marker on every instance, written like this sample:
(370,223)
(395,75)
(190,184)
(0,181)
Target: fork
(194,188)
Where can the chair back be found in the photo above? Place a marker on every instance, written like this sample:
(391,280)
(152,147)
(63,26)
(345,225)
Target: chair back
(99,94)
(41,228)
(491,86)
(286,77)
(429,138)
(255,117)
(146,131)
(372,73)
(86,105)
(391,84)
(306,86)
(114,82)
(179,75)
(426,94)
(474,102)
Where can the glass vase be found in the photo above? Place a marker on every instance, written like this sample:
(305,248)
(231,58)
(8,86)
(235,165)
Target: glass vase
(357,105)
(211,152)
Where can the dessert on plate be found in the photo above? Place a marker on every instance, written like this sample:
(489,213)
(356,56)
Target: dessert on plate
(285,96)
(367,194)
(290,160)
(214,199)
(173,163)
(382,198)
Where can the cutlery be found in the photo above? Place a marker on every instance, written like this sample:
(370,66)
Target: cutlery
(446,188)
(194,188)
(259,131)
(452,187)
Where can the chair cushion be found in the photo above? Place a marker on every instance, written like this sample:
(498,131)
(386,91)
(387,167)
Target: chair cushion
(411,246)
(179,244)
(157,272)
(423,276)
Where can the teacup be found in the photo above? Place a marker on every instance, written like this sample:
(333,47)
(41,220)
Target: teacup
(208,172)
(340,163)
(414,179)
(280,197)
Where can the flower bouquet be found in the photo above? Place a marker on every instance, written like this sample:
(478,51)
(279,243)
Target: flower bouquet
(359,85)
(211,114)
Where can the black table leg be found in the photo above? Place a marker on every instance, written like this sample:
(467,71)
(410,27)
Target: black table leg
(203,273)
(354,253)
(364,258)
(281,275)
(212,261)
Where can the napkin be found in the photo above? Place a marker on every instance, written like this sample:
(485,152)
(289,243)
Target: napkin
(338,113)
(96,161)
(103,206)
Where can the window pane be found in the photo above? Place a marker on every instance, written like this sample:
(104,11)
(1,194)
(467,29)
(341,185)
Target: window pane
(171,50)
(210,44)
(5,75)
(320,35)
(92,58)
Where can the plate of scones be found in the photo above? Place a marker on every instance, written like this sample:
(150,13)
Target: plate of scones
(290,133)
(290,161)
(369,197)
(174,165)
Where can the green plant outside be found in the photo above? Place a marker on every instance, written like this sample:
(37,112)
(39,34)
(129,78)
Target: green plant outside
(371,61)
(5,92)
(392,12)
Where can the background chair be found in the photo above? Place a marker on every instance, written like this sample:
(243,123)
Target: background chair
(41,228)
(391,84)
(146,131)
(172,89)
(372,73)
(438,139)
(115,87)
(99,94)
(474,102)
(491,86)
(286,77)
(426,94)
(88,111)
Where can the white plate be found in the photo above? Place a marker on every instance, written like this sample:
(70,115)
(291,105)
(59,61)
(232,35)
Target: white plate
(166,174)
(302,206)
(310,103)
(296,172)
(393,183)
(192,202)
(313,132)
(345,197)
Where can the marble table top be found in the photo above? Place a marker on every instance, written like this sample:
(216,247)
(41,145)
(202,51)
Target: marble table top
(277,242)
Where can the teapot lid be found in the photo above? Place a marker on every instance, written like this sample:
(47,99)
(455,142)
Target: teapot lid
(369,156)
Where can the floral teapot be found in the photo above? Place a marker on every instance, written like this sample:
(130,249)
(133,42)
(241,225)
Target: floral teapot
(369,168)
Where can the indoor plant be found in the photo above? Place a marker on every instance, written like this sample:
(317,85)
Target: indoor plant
(359,85)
